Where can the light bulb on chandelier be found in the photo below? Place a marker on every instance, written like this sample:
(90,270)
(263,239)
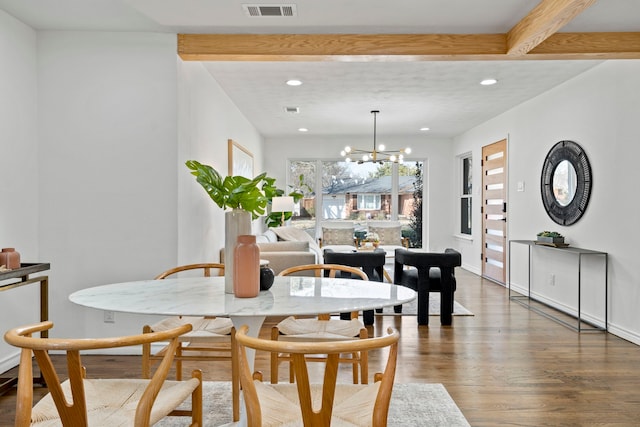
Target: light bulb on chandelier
(379,154)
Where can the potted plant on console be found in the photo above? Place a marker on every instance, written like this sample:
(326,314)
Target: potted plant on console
(550,238)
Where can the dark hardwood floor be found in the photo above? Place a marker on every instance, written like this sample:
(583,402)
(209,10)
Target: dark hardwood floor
(505,366)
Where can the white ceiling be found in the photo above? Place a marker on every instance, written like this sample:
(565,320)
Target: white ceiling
(337,97)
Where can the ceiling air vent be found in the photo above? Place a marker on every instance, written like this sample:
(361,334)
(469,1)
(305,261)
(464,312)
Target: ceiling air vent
(293,110)
(266,10)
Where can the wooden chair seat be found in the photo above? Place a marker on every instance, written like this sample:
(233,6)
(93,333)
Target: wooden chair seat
(81,401)
(315,330)
(322,328)
(280,404)
(210,339)
(113,402)
(204,329)
(315,404)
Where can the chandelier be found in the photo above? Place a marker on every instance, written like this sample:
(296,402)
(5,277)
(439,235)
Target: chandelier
(378,155)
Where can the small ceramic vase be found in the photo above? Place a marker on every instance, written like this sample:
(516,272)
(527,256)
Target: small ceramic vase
(10,258)
(266,278)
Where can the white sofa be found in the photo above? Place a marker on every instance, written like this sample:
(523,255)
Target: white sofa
(286,247)
(284,253)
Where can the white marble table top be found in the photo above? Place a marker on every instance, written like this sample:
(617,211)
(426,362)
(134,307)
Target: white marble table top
(204,296)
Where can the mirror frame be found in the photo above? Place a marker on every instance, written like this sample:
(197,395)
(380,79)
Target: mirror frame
(574,154)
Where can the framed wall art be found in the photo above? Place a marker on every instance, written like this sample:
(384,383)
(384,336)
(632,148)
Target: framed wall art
(240,160)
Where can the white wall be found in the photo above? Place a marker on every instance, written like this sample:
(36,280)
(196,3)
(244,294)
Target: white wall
(599,111)
(107,120)
(208,119)
(18,168)
(97,126)
(438,224)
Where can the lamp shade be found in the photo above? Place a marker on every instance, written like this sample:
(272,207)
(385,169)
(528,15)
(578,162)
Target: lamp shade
(282,204)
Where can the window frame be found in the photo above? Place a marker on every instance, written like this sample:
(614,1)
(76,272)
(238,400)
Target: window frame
(465,194)
(377,201)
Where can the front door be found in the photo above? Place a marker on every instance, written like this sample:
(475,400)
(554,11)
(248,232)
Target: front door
(494,211)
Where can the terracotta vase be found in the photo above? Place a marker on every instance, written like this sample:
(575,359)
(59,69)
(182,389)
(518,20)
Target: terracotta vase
(236,223)
(10,258)
(246,266)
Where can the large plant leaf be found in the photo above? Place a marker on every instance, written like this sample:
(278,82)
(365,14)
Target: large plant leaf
(235,192)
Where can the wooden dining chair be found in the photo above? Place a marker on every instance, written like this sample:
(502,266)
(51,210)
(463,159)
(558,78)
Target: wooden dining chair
(323,404)
(211,339)
(322,328)
(81,401)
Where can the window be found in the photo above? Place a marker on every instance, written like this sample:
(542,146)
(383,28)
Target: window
(465,194)
(369,202)
(359,193)
(302,177)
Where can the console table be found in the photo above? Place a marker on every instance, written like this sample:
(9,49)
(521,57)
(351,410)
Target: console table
(525,300)
(21,277)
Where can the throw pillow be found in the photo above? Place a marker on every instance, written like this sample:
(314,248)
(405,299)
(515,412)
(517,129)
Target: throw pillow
(388,235)
(337,236)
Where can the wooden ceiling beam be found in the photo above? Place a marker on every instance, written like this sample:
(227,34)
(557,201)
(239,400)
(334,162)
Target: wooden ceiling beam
(544,20)
(400,47)
(336,47)
(588,46)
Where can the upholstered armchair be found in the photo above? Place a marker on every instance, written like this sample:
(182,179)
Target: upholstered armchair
(338,236)
(372,263)
(431,272)
(390,234)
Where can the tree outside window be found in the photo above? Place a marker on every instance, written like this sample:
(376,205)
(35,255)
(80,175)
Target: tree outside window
(465,195)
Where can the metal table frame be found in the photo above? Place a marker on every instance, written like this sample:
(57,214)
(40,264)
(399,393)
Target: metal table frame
(525,300)
(21,278)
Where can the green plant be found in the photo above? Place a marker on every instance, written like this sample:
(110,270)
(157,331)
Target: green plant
(549,234)
(235,192)
(415,238)
(274,219)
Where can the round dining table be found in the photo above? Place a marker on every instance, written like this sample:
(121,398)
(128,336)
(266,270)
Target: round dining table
(205,296)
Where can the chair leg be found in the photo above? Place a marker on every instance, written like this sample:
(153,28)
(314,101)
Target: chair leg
(179,362)
(274,357)
(196,401)
(291,374)
(235,377)
(356,362)
(364,360)
(367,317)
(146,355)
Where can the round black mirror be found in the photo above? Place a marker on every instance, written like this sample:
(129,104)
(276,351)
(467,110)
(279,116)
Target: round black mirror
(566,182)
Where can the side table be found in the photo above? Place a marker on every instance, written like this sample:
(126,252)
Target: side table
(21,277)
(525,300)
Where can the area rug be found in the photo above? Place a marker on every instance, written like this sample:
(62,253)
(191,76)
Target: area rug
(411,308)
(413,404)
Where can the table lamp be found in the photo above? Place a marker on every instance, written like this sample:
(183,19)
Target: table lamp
(282,204)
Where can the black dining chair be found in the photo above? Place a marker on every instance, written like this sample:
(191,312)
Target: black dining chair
(432,272)
(372,263)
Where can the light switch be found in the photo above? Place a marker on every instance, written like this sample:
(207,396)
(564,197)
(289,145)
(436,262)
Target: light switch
(520,185)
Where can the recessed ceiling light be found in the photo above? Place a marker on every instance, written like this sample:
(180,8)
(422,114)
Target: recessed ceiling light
(303,130)
(294,82)
(424,129)
(488,82)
